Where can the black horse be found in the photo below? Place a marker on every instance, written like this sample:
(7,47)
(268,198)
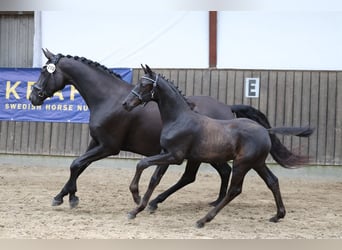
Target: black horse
(189,135)
(113,129)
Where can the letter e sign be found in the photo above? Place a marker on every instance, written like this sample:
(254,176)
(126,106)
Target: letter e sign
(252,87)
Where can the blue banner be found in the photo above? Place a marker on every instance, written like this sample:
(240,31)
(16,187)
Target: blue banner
(65,106)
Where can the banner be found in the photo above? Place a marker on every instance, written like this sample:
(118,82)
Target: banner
(65,106)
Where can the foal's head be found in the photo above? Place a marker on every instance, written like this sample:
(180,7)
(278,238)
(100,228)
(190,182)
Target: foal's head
(143,92)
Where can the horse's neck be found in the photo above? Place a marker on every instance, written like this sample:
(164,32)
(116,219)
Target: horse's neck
(171,103)
(96,87)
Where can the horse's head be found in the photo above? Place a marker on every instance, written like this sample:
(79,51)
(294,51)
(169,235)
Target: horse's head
(51,79)
(144,90)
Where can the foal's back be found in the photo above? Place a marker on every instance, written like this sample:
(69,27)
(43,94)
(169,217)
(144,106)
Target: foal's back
(224,140)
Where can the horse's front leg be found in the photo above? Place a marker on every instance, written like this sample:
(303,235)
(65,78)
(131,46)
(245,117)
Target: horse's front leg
(94,152)
(162,160)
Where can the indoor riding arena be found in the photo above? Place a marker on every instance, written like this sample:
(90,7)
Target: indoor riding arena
(285,66)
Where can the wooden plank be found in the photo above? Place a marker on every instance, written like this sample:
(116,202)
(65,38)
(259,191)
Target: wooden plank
(54,140)
(222,88)
(3,136)
(289,106)
(331,116)
(314,102)
(180,78)
(206,83)
(47,138)
(338,125)
(263,99)
(31,148)
(214,84)
(10,137)
(198,82)
(272,101)
(85,138)
(189,82)
(69,136)
(17,137)
(76,140)
(39,137)
(322,117)
(305,117)
(245,100)
(238,84)
(297,107)
(230,99)
(24,137)
(280,97)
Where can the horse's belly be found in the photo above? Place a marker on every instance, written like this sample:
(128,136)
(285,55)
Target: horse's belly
(213,150)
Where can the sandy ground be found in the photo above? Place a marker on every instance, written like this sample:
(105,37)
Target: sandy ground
(313,207)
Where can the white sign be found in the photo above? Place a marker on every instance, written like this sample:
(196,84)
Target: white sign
(252,86)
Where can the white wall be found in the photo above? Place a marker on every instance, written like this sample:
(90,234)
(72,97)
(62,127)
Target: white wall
(127,39)
(305,40)
(280,40)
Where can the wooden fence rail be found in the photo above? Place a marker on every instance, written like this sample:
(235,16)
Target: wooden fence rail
(288,98)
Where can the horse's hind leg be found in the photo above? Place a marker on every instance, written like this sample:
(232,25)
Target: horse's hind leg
(235,188)
(272,183)
(224,171)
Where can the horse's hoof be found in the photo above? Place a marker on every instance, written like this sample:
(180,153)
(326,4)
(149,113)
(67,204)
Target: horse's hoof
(73,203)
(152,208)
(200,224)
(274,219)
(131,215)
(56,202)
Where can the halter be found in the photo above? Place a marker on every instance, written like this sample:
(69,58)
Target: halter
(147,96)
(51,68)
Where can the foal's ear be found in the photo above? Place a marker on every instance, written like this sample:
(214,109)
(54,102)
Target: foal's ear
(142,66)
(49,55)
(148,70)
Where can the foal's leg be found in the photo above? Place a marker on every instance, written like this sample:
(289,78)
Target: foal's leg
(156,177)
(188,177)
(224,171)
(163,159)
(234,190)
(272,183)
(93,153)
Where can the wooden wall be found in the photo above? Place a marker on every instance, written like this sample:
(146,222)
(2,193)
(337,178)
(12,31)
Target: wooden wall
(288,98)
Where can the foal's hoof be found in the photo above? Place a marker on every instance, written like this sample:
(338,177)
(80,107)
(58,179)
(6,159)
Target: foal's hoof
(200,224)
(274,219)
(152,208)
(131,215)
(73,203)
(56,202)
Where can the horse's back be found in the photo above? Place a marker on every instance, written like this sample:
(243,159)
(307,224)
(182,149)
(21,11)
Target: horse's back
(209,106)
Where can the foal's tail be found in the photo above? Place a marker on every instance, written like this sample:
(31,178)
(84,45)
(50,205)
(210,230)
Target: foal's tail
(279,152)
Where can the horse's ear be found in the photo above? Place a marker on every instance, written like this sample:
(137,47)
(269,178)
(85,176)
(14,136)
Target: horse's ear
(49,55)
(148,70)
(142,66)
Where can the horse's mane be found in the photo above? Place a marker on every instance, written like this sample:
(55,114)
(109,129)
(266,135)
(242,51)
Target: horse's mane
(176,89)
(94,64)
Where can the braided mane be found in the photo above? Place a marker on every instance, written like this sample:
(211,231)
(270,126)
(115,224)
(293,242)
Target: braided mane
(94,64)
(176,88)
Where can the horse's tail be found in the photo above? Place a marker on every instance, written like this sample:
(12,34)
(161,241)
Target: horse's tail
(279,152)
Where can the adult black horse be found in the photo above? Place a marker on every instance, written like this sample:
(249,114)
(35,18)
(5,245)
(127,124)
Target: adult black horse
(113,129)
(189,135)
